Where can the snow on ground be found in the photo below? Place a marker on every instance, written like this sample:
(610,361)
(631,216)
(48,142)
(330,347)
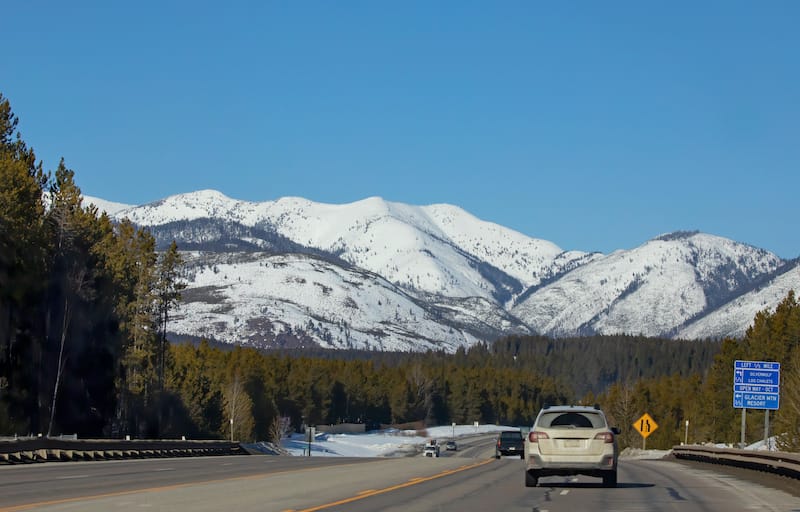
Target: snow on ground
(403,443)
(639,454)
(384,443)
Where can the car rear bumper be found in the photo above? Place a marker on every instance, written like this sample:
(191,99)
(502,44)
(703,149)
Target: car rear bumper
(583,465)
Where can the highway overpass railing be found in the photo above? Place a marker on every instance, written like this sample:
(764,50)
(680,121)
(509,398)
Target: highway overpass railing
(781,463)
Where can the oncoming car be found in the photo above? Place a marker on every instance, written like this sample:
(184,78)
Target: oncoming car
(571,440)
(431,449)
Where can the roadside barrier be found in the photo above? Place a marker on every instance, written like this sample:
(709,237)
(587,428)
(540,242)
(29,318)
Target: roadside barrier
(21,451)
(781,463)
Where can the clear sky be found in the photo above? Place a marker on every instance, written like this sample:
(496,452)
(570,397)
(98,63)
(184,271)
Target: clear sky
(594,125)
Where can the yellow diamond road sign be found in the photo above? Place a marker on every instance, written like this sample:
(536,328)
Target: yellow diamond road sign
(645,425)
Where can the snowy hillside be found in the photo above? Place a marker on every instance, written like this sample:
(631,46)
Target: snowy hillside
(391,276)
(648,290)
(438,249)
(299,300)
(733,319)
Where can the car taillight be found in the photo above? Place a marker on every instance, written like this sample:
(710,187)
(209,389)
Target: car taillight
(535,436)
(606,437)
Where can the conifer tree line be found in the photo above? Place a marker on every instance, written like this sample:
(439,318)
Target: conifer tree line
(85,305)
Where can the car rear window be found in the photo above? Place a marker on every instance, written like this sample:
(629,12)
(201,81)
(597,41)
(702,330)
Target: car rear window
(561,419)
(510,435)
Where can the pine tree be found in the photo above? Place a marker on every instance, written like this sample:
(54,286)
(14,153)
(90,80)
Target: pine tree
(22,274)
(168,291)
(787,422)
(132,264)
(70,281)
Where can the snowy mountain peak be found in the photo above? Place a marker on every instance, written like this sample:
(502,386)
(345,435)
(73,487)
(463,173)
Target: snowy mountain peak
(111,208)
(676,235)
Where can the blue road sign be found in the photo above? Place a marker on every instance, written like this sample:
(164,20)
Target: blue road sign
(756,385)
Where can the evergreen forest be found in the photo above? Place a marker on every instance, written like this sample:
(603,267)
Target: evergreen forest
(85,305)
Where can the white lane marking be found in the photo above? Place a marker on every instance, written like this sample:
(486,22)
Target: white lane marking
(564,492)
(71,477)
(165,469)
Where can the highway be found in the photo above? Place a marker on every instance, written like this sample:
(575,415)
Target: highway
(467,480)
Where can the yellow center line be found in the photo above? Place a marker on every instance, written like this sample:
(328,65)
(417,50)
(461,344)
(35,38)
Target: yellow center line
(413,481)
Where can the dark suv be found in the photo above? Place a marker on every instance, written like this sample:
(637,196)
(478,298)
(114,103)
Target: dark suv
(510,442)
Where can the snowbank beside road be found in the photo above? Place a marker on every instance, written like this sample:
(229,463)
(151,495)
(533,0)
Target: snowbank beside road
(389,443)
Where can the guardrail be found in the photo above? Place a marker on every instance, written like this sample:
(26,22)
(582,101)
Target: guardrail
(781,463)
(20,451)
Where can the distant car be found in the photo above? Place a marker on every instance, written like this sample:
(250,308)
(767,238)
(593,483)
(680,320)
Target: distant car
(510,442)
(450,446)
(431,449)
(571,440)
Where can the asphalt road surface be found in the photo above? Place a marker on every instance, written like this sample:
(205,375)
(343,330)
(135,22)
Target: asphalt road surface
(467,480)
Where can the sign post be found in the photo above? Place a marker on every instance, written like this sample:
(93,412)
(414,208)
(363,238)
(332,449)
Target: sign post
(756,385)
(686,435)
(645,426)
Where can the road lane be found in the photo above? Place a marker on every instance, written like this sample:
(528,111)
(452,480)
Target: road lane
(61,481)
(417,484)
(645,486)
(255,483)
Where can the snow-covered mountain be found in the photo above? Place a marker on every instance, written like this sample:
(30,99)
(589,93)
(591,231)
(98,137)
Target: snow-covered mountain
(650,290)
(392,276)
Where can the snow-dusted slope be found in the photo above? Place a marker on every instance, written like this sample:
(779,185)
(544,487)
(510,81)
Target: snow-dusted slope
(648,290)
(437,249)
(529,260)
(304,301)
(203,204)
(733,319)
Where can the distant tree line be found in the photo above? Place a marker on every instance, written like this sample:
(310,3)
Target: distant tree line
(373,388)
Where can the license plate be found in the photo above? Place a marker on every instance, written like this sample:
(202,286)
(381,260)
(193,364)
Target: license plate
(572,443)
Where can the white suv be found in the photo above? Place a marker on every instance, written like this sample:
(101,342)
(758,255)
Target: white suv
(571,440)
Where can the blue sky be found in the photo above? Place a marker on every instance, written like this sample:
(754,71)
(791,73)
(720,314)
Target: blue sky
(595,125)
